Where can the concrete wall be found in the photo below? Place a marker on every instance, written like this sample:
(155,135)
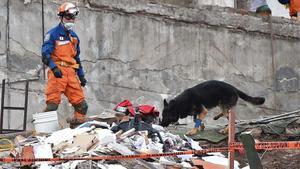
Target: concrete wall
(3,20)
(223,3)
(145,51)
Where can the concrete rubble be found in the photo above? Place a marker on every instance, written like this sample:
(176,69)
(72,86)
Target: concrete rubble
(94,138)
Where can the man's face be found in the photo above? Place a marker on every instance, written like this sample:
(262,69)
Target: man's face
(68,22)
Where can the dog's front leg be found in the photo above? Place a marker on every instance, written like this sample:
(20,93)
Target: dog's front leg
(226,129)
(198,122)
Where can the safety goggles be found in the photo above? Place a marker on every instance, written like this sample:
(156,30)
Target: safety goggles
(70,16)
(72,13)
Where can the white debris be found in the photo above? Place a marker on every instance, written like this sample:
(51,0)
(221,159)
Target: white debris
(158,127)
(42,151)
(105,136)
(60,136)
(120,149)
(110,166)
(194,144)
(220,160)
(66,134)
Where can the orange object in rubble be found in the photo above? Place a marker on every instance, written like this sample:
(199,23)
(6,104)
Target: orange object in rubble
(27,152)
(207,165)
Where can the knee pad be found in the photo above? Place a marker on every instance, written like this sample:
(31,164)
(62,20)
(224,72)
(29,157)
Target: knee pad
(51,107)
(82,107)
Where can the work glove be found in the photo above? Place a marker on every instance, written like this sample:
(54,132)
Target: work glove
(57,73)
(82,81)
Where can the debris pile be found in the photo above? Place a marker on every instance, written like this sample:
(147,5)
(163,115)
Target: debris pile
(130,134)
(94,139)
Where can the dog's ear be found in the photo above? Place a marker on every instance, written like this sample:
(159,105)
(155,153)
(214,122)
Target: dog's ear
(165,103)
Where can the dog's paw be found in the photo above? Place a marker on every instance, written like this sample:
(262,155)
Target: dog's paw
(193,131)
(202,126)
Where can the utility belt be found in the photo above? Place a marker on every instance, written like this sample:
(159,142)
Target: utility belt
(66,64)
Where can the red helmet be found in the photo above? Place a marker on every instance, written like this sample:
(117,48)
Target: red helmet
(69,10)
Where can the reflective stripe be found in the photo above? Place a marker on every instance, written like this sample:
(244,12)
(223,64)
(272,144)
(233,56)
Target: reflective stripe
(66,64)
(63,42)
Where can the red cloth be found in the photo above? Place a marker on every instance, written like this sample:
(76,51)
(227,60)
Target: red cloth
(125,104)
(147,109)
(143,109)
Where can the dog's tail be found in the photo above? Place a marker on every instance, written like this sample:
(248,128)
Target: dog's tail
(253,100)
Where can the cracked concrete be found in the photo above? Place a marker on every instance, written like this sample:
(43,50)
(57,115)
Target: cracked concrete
(145,51)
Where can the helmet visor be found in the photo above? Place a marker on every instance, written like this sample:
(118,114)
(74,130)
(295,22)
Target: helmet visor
(72,13)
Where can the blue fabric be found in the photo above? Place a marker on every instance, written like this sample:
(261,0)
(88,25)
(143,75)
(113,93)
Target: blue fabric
(284,1)
(198,123)
(49,45)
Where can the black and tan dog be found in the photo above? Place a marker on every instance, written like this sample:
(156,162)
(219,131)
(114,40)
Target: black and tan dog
(196,100)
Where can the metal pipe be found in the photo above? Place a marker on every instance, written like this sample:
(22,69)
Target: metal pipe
(231,135)
(2,105)
(23,80)
(43,34)
(269,118)
(25,106)
(282,115)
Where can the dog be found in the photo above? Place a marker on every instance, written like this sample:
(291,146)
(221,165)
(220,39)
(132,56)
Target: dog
(196,100)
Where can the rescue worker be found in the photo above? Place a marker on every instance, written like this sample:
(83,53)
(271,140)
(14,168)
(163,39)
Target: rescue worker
(60,52)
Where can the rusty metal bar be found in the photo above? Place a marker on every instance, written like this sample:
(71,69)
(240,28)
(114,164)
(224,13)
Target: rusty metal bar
(231,134)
